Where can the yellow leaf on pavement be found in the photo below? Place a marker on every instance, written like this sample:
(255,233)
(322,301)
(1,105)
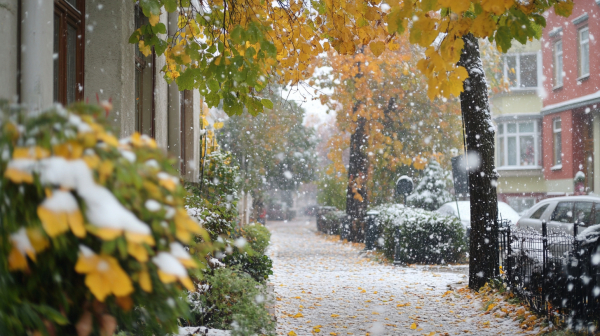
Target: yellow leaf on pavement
(413,326)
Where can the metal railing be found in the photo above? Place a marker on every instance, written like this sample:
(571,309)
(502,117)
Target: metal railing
(553,273)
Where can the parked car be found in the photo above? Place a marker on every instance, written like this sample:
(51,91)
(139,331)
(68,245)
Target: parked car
(462,210)
(561,212)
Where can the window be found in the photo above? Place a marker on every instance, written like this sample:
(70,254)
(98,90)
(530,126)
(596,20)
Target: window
(558,64)
(563,212)
(518,144)
(68,50)
(583,212)
(521,70)
(557,141)
(584,52)
(596,213)
(539,212)
(144,85)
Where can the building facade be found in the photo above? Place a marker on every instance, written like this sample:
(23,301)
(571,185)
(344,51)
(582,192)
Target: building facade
(516,114)
(548,123)
(62,51)
(572,94)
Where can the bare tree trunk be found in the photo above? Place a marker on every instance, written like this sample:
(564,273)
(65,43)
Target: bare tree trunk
(356,197)
(482,174)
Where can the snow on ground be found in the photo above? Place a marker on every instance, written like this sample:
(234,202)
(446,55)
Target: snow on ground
(201,331)
(324,287)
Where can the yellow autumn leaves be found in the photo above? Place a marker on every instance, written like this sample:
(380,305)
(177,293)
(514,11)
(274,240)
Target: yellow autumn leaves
(79,206)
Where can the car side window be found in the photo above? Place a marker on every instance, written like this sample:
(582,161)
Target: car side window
(597,213)
(538,213)
(583,212)
(563,212)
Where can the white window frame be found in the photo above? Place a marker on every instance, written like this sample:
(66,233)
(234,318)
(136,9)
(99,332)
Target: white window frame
(558,71)
(557,164)
(583,42)
(517,85)
(504,138)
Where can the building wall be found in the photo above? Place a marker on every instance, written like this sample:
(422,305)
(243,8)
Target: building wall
(566,118)
(9,16)
(571,88)
(109,61)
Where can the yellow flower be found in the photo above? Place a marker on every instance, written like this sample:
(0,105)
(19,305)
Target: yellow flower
(145,281)
(21,247)
(185,226)
(171,270)
(18,176)
(69,150)
(138,251)
(36,152)
(60,212)
(167,181)
(179,252)
(103,274)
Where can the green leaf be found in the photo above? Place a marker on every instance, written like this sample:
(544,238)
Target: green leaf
(150,7)
(249,55)
(238,35)
(269,48)
(159,28)
(51,313)
(170,5)
(267,103)
(135,37)
(160,47)
(503,38)
(213,85)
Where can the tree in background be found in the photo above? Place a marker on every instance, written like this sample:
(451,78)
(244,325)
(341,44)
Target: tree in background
(274,150)
(381,101)
(432,190)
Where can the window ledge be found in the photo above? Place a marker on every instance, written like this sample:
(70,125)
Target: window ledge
(518,167)
(557,87)
(584,77)
(556,167)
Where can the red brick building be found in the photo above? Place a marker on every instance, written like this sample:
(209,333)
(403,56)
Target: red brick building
(571,98)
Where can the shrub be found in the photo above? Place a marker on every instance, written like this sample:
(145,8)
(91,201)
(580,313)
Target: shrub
(230,299)
(259,267)
(214,202)
(423,236)
(91,228)
(257,235)
(432,191)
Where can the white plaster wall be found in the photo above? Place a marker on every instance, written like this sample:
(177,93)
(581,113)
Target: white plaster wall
(559,186)
(161,98)
(36,53)
(9,49)
(109,60)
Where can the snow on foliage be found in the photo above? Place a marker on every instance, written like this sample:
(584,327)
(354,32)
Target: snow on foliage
(422,236)
(96,222)
(432,190)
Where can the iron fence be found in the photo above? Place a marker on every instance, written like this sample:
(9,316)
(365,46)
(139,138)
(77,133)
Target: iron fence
(554,272)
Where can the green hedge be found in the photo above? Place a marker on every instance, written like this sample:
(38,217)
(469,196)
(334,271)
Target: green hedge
(424,236)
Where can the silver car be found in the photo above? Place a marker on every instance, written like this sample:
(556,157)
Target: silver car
(561,212)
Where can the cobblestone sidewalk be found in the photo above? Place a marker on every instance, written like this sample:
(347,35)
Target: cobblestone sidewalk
(324,287)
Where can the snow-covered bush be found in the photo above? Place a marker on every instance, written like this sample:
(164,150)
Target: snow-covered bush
(230,299)
(332,223)
(423,236)
(214,202)
(93,229)
(254,261)
(431,191)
